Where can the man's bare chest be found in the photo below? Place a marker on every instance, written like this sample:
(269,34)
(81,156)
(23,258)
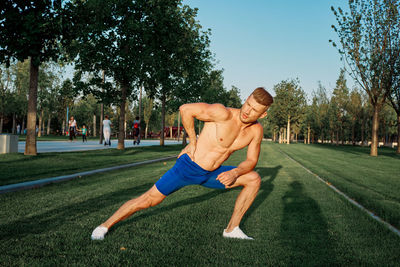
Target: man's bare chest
(229,136)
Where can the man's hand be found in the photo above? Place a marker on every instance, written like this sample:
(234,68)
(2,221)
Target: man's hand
(190,149)
(228,178)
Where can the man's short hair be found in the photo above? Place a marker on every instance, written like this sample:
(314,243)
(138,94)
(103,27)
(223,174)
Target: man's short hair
(262,96)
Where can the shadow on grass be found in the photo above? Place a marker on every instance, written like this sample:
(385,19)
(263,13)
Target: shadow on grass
(55,218)
(151,212)
(304,231)
(265,189)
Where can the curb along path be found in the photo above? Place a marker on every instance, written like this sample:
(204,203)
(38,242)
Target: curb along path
(352,201)
(42,182)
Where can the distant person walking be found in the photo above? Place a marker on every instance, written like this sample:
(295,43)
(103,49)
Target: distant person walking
(84,133)
(107,131)
(136,131)
(72,128)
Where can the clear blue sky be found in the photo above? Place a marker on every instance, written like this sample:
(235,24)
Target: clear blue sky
(262,42)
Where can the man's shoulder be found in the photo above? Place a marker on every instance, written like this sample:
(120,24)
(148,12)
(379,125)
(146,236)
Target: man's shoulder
(220,111)
(257,129)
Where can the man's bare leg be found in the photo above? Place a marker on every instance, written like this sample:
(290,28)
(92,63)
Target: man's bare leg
(251,184)
(149,199)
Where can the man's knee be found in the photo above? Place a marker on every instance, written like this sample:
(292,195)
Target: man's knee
(253,179)
(151,198)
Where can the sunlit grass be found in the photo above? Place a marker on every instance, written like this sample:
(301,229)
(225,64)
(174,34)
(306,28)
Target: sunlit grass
(295,220)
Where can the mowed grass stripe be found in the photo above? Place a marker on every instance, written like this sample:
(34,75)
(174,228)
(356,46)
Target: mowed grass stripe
(295,219)
(374,216)
(373,182)
(18,168)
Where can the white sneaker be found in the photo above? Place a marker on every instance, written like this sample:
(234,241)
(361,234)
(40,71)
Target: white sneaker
(99,233)
(236,233)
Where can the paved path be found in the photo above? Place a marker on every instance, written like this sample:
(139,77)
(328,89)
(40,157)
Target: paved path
(65,146)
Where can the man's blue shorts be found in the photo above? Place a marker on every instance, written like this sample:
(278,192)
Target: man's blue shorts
(186,172)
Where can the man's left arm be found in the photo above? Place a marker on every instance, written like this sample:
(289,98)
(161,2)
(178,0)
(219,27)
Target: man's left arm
(228,178)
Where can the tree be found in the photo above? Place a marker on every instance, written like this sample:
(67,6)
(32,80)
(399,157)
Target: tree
(289,104)
(394,97)
(5,80)
(368,37)
(354,109)
(171,120)
(109,39)
(233,98)
(32,29)
(321,105)
(177,54)
(341,100)
(65,97)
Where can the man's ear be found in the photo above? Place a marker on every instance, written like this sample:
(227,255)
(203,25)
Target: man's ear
(263,115)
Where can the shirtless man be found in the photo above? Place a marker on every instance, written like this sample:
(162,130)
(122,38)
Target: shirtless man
(225,131)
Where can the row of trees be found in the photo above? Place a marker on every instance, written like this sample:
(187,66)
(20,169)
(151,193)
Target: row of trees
(369,44)
(337,117)
(55,96)
(116,46)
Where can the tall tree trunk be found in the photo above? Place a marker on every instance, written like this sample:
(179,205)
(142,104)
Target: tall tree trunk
(353,135)
(63,127)
(342,133)
(101,123)
(375,127)
(199,127)
(145,131)
(162,119)
(184,141)
(1,123)
(121,133)
(362,130)
(23,125)
(308,134)
(337,137)
(30,144)
(170,131)
(48,124)
(288,131)
(125,127)
(13,124)
(384,137)
(40,123)
(94,125)
(398,133)
(102,113)
(140,103)
(43,123)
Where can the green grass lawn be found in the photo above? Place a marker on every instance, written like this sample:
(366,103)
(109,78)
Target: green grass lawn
(16,167)
(373,182)
(295,220)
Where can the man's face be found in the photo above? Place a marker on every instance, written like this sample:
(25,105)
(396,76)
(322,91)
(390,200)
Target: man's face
(252,110)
